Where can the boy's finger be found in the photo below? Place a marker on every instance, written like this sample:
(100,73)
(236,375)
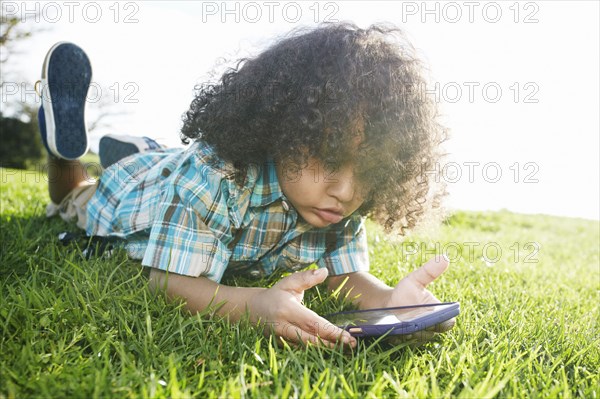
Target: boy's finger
(301,338)
(444,326)
(301,281)
(308,322)
(294,333)
(317,325)
(430,270)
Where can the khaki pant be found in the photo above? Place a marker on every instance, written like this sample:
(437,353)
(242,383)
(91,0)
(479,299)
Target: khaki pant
(73,208)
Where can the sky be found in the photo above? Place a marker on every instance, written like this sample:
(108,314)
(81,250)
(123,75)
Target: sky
(517,82)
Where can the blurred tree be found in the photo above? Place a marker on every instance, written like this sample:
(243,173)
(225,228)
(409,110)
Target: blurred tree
(21,143)
(9,32)
(19,118)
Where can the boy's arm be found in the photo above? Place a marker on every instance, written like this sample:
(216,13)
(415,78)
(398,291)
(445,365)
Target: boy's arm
(279,307)
(368,292)
(200,292)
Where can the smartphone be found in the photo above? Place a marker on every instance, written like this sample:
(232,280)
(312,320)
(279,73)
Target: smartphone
(394,321)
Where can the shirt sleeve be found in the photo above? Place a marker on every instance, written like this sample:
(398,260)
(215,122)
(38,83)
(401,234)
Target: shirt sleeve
(353,253)
(190,232)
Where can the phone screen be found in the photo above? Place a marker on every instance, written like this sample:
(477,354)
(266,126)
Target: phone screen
(385,316)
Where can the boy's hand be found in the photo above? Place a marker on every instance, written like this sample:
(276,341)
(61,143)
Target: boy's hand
(411,291)
(280,308)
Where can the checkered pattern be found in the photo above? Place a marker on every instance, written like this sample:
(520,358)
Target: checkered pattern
(182,211)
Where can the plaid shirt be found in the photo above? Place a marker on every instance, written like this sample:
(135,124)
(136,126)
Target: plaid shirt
(182,211)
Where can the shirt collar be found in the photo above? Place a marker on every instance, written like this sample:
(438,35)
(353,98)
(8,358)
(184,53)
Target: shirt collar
(267,188)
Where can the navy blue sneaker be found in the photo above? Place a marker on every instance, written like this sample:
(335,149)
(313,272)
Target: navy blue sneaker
(42,126)
(66,77)
(113,147)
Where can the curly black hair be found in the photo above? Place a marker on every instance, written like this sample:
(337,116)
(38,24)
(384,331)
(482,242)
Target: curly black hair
(338,93)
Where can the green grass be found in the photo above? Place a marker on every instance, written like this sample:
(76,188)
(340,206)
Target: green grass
(76,328)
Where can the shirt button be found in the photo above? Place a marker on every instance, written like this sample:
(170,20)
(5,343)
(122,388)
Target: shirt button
(254,273)
(285,205)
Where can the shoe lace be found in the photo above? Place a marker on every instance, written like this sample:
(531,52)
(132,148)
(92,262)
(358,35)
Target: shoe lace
(35,87)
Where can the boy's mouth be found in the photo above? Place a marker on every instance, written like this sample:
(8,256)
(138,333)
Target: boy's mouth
(330,215)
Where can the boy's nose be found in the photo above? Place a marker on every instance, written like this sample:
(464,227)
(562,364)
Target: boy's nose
(342,185)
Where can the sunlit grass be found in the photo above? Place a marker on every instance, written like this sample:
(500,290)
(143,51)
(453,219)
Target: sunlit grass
(77,328)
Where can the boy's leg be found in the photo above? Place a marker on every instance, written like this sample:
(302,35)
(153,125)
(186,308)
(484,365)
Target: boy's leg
(70,191)
(63,176)
(66,76)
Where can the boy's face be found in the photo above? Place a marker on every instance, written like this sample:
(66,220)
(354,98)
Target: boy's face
(320,196)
